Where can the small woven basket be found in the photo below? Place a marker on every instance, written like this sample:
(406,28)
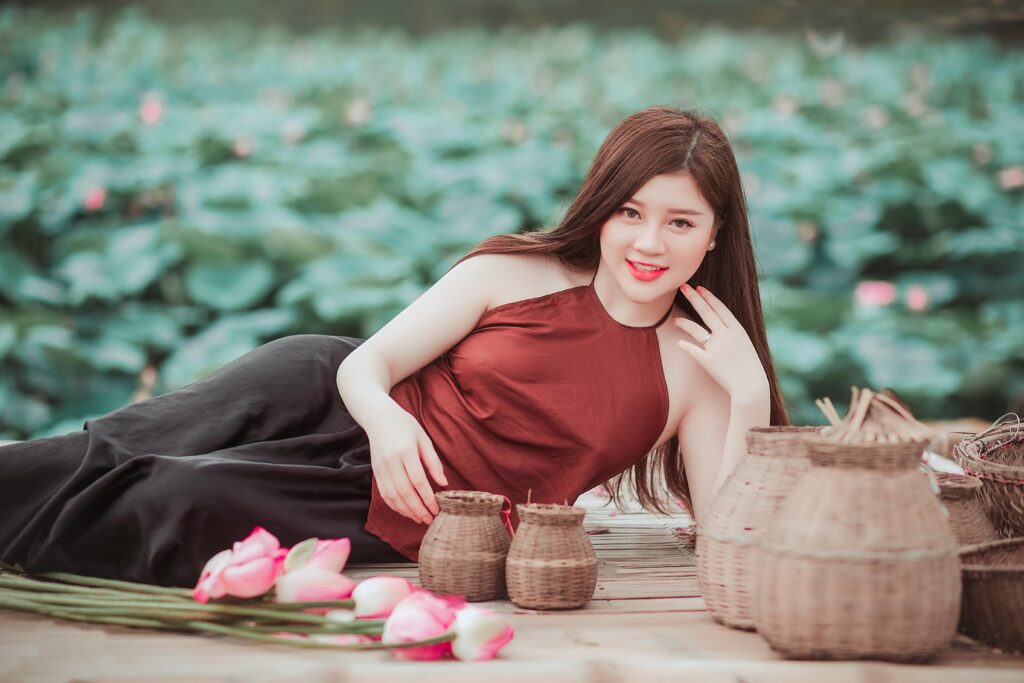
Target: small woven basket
(464,550)
(728,552)
(860,561)
(993,585)
(959,493)
(551,562)
(996,456)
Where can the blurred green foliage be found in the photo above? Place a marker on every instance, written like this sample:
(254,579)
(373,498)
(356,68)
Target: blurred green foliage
(171,199)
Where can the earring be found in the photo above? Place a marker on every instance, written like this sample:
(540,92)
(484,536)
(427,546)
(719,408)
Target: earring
(711,246)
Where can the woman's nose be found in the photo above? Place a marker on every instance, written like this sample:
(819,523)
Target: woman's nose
(649,240)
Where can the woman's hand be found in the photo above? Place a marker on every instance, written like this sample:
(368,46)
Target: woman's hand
(399,448)
(728,354)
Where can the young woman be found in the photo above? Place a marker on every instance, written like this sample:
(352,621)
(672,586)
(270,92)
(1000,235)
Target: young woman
(625,344)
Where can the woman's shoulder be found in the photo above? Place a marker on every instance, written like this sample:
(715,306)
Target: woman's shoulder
(525,276)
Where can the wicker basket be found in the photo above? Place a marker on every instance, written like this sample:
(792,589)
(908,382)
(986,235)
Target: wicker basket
(967,516)
(464,550)
(728,555)
(551,563)
(861,561)
(993,606)
(996,456)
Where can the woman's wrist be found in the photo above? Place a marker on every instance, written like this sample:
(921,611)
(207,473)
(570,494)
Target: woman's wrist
(752,407)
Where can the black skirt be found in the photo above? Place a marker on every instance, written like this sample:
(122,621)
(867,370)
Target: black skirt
(152,491)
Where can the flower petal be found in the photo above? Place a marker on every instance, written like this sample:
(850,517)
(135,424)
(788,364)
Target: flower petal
(310,583)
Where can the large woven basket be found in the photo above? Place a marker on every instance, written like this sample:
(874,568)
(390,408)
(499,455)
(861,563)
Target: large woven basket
(551,562)
(861,561)
(959,493)
(996,456)
(464,550)
(728,556)
(993,605)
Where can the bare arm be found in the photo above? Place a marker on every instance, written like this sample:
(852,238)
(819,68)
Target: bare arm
(426,329)
(712,436)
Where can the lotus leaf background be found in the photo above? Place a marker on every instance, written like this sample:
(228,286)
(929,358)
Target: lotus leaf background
(173,196)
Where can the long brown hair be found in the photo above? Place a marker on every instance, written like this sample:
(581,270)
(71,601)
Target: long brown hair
(656,141)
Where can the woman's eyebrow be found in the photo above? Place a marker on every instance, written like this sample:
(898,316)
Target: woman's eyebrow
(691,212)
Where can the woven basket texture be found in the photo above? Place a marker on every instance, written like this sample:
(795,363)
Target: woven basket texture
(959,493)
(861,561)
(993,605)
(728,555)
(997,458)
(551,562)
(464,550)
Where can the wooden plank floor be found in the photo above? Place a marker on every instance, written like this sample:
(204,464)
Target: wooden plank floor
(647,622)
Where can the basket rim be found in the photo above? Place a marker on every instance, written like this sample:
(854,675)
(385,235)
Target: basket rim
(988,569)
(550,509)
(982,466)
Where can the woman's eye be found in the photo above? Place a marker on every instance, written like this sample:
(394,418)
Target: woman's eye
(626,211)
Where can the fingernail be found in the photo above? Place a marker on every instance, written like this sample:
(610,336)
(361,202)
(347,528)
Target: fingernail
(685,286)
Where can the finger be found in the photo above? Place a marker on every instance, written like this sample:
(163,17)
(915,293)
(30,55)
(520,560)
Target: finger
(390,496)
(704,310)
(433,462)
(698,354)
(692,328)
(720,308)
(420,486)
(406,502)
(413,482)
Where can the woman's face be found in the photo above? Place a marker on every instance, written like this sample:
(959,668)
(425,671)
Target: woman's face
(665,224)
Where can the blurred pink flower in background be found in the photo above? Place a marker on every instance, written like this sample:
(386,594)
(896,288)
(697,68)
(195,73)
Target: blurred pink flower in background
(95,199)
(916,298)
(151,109)
(875,293)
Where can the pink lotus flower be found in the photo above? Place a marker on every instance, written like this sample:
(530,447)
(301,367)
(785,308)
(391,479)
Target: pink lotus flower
(875,293)
(326,554)
(419,616)
(246,570)
(479,634)
(917,298)
(94,199)
(310,583)
(377,596)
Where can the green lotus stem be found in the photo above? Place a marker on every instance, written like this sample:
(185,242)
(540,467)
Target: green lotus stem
(108,595)
(21,606)
(376,645)
(169,609)
(351,627)
(111,583)
(270,610)
(26,583)
(221,629)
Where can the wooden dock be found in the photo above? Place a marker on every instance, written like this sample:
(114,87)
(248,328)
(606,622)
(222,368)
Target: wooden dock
(647,623)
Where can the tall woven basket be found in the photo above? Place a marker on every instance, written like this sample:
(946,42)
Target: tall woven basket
(728,554)
(959,493)
(861,561)
(993,606)
(996,457)
(551,561)
(464,550)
